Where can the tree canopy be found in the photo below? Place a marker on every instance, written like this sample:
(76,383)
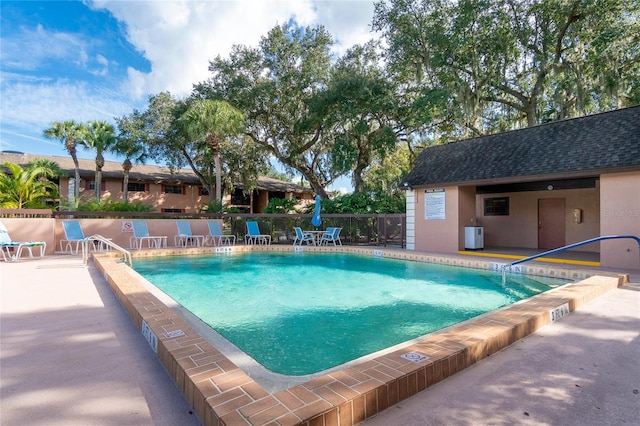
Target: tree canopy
(443,70)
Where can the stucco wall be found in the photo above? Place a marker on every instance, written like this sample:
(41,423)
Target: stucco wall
(520,227)
(50,230)
(32,229)
(620,213)
(439,235)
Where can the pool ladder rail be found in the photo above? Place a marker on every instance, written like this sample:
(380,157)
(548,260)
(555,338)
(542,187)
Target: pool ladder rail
(546,253)
(107,242)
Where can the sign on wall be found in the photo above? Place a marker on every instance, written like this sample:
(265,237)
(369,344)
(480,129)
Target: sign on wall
(127,226)
(434,204)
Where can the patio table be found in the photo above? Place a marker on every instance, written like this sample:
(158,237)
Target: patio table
(317,236)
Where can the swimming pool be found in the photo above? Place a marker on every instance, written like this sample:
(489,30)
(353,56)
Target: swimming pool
(300,313)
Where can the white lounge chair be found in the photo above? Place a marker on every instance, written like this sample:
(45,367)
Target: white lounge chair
(254,236)
(7,246)
(185,236)
(216,237)
(331,235)
(301,237)
(141,234)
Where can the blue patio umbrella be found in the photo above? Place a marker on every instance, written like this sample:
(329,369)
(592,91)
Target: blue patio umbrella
(316,221)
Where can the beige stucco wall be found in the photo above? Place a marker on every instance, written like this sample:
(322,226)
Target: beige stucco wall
(441,235)
(620,213)
(32,229)
(520,227)
(50,230)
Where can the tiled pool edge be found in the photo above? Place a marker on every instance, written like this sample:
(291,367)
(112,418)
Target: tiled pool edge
(222,394)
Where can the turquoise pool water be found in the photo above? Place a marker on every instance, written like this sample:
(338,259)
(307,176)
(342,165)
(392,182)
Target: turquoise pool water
(300,313)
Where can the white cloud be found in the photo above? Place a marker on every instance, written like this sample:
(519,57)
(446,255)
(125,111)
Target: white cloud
(180,38)
(34,105)
(41,45)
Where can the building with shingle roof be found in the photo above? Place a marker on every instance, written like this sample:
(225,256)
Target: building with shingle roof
(177,190)
(540,187)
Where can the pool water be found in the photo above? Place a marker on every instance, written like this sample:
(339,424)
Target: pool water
(301,313)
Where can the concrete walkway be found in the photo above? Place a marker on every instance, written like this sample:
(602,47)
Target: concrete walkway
(583,370)
(70,355)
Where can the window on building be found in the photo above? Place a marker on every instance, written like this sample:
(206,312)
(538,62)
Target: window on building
(498,206)
(136,187)
(172,210)
(173,189)
(91,185)
(204,191)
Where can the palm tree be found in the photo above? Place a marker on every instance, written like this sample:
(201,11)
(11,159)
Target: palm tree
(213,121)
(27,188)
(99,136)
(68,132)
(130,148)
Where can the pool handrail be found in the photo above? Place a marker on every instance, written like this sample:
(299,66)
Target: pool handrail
(546,253)
(106,241)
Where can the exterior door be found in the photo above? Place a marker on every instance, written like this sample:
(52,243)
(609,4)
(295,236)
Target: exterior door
(551,223)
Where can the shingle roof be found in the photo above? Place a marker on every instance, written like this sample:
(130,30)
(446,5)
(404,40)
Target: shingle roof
(579,147)
(140,172)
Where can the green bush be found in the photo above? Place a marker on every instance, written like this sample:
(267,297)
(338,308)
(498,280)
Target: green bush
(280,205)
(363,203)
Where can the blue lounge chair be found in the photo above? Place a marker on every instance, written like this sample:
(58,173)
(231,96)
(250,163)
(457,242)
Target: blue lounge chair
(185,236)
(254,236)
(331,235)
(216,237)
(7,246)
(141,234)
(73,237)
(301,237)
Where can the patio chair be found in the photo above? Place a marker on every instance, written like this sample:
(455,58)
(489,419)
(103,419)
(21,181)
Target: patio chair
(185,236)
(73,236)
(7,245)
(331,235)
(302,237)
(216,237)
(254,236)
(141,234)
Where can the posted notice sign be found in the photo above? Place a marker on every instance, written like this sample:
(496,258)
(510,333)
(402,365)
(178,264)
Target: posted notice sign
(434,204)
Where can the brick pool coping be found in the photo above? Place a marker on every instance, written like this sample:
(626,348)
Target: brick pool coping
(221,393)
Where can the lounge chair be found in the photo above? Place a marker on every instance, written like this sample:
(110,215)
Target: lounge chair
(331,235)
(302,237)
(185,236)
(254,236)
(73,236)
(216,237)
(141,234)
(7,245)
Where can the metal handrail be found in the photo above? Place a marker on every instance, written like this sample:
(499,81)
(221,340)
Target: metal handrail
(546,253)
(106,241)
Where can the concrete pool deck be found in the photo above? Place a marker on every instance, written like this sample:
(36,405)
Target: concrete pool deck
(71,355)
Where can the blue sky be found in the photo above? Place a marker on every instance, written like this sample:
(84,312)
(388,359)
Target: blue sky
(96,60)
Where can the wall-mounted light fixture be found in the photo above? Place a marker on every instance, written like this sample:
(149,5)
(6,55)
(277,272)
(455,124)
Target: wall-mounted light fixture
(577,215)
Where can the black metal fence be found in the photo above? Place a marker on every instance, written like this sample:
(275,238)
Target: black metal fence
(357,229)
